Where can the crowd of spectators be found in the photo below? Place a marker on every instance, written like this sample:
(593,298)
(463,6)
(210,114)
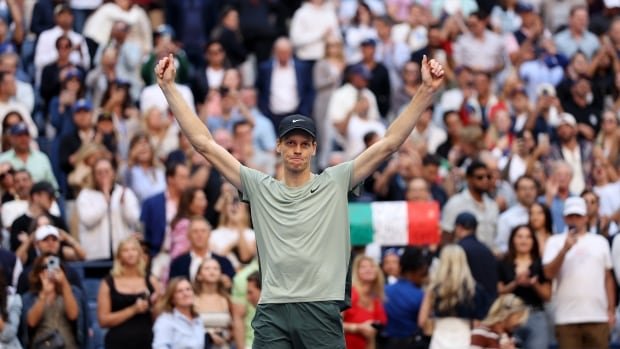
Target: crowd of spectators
(520,150)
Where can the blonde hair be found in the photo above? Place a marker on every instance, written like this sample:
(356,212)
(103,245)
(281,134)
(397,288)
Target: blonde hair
(199,283)
(452,283)
(166,302)
(117,267)
(503,307)
(378,284)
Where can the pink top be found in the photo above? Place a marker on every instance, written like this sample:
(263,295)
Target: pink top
(179,244)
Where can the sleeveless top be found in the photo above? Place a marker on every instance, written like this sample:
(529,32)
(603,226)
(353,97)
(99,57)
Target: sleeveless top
(219,322)
(136,332)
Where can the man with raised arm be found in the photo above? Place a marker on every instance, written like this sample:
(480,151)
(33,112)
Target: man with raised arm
(301,222)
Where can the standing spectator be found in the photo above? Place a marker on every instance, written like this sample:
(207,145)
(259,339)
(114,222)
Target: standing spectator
(312,25)
(409,83)
(293,92)
(479,49)
(427,132)
(581,261)
(263,132)
(585,103)
(209,76)
(22,155)
(257,29)
(430,173)
(163,132)
(10,311)
(452,300)
(82,9)
(403,299)
(477,108)
(61,106)
(228,32)
(46,52)
(521,273)
(366,316)
(577,153)
(379,82)
(361,29)
(607,192)
(144,175)
(327,77)
(394,55)
(213,304)
(507,313)
(193,22)
(233,238)
(52,307)
(525,187)
(125,299)
(413,32)
(609,136)
(541,223)
(475,199)
(596,223)
(158,210)
(9,104)
(251,296)
(108,213)
(577,37)
(165,44)
(482,262)
(178,326)
(98,78)
(557,190)
(98,26)
(192,203)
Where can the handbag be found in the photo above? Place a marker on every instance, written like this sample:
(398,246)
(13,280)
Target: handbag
(52,340)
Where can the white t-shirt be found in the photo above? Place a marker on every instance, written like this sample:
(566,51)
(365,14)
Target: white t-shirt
(356,130)
(223,237)
(580,294)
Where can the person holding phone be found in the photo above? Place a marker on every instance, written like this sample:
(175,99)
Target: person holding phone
(52,313)
(125,299)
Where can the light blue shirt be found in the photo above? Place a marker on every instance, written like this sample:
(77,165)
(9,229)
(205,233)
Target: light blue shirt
(175,331)
(536,72)
(557,213)
(146,183)
(567,45)
(37,164)
(514,216)
(8,336)
(264,133)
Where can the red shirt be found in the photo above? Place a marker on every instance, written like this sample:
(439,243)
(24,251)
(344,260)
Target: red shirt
(358,314)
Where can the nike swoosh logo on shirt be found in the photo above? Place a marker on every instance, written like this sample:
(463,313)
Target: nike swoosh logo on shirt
(312,190)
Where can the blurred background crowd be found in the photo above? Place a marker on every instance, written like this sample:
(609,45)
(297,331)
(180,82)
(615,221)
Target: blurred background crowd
(116,233)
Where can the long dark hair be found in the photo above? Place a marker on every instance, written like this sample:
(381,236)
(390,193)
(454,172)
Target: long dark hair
(548,217)
(184,203)
(4,295)
(512,252)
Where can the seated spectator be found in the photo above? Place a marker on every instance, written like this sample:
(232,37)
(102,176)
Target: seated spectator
(52,307)
(61,105)
(482,262)
(452,301)
(311,25)
(125,299)
(10,119)
(228,32)
(366,316)
(232,111)
(263,133)
(179,325)
(430,173)
(23,155)
(10,268)
(10,104)
(108,213)
(507,313)
(7,183)
(213,305)
(193,203)
(521,273)
(557,190)
(144,176)
(233,237)
(541,223)
(427,132)
(19,204)
(403,299)
(187,264)
(360,29)
(390,265)
(47,241)
(10,312)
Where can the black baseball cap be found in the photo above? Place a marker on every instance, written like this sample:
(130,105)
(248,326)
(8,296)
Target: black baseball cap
(466,220)
(296,122)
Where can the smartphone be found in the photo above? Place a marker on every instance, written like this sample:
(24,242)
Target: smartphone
(53,263)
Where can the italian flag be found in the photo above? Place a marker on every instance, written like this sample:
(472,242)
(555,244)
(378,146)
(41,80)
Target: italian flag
(394,223)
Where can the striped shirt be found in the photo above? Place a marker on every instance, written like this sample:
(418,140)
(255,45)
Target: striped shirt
(483,337)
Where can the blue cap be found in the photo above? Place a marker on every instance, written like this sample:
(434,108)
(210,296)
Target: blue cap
(360,69)
(164,30)
(82,104)
(524,7)
(368,42)
(19,129)
(73,73)
(466,220)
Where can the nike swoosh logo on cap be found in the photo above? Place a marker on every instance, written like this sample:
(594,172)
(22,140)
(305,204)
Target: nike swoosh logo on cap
(296,120)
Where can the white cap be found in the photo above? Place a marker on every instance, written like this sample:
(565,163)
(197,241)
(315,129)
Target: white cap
(612,3)
(44,231)
(566,119)
(575,205)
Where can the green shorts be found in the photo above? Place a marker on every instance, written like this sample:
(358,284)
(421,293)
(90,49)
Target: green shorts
(309,325)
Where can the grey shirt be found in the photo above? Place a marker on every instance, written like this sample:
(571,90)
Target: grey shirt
(302,234)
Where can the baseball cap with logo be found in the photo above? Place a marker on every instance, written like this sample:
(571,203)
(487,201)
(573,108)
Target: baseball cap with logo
(296,122)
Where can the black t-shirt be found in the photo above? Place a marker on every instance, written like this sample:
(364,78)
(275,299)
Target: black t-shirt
(23,224)
(506,274)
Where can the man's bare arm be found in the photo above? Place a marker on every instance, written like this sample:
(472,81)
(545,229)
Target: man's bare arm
(366,163)
(191,125)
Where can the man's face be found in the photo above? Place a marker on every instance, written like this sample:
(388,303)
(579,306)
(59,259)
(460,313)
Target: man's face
(579,20)
(43,200)
(480,180)
(253,293)
(49,245)
(296,149)
(21,142)
(526,192)
(566,132)
(215,54)
(475,25)
(430,172)
(368,52)
(83,119)
(243,134)
(23,183)
(358,81)
(9,87)
(592,204)
(579,222)
(199,233)
(64,20)
(417,190)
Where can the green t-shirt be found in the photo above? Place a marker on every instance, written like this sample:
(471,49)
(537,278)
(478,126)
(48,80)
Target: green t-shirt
(302,234)
(239,290)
